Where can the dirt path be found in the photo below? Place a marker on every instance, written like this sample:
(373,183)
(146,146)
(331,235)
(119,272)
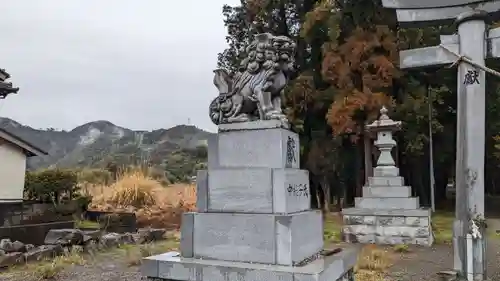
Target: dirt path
(419,264)
(102,268)
(422,264)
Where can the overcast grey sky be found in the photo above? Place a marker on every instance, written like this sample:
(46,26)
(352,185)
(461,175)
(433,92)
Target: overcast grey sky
(141,64)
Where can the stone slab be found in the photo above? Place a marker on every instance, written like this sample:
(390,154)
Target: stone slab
(412,4)
(202,191)
(213,151)
(423,212)
(427,56)
(254,125)
(262,238)
(444,15)
(171,266)
(187,230)
(266,148)
(389,231)
(386,171)
(386,203)
(389,227)
(435,55)
(387,220)
(386,181)
(257,190)
(387,240)
(387,191)
(291,191)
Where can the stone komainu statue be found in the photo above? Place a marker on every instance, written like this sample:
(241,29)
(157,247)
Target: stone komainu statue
(254,92)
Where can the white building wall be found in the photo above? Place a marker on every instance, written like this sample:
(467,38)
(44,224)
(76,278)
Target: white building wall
(12,172)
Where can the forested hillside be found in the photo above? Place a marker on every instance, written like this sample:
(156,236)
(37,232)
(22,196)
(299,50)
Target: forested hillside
(178,152)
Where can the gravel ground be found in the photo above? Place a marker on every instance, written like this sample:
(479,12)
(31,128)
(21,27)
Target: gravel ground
(102,268)
(422,264)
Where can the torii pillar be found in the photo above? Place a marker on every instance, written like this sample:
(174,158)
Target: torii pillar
(472,41)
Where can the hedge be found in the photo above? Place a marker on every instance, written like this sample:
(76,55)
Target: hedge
(51,186)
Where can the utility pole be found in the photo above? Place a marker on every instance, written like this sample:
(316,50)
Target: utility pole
(431,152)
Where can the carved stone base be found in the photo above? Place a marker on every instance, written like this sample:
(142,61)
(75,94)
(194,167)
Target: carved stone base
(253,190)
(392,227)
(254,125)
(169,266)
(264,238)
(263,144)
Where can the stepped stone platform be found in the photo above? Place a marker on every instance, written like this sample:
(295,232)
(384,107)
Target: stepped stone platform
(387,214)
(254,220)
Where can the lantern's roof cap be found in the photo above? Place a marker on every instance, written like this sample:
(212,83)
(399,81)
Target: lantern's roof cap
(6,89)
(384,123)
(4,75)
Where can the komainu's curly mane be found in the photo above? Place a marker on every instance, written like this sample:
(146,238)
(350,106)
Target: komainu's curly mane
(262,72)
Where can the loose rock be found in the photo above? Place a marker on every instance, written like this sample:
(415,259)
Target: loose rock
(147,235)
(29,247)
(43,252)
(18,246)
(109,240)
(10,259)
(93,234)
(65,237)
(6,245)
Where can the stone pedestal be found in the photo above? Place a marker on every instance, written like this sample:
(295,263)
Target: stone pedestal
(387,213)
(254,220)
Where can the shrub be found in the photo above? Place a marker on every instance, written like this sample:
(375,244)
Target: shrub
(401,248)
(48,270)
(83,202)
(95,177)
(201,152)
(50,186)
(133,189)
(135,196)
(158,175)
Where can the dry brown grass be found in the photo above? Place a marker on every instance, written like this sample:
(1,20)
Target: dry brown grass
(49,269)
(154,204)
(134,254)
(372,264)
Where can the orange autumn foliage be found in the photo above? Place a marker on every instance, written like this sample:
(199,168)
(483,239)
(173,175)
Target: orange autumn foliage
(362,68)
(324,11)
(340,115)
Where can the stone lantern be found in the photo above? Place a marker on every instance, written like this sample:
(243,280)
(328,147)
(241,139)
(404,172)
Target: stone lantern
(387,213)
(384,128)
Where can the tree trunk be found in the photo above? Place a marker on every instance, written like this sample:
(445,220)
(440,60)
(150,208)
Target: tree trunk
(326,196)
(359,169)
(420,174)
(367,145)
(314,193)
(441,183)
(321,196)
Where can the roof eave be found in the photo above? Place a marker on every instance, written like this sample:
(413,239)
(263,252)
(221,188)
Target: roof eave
(29,149)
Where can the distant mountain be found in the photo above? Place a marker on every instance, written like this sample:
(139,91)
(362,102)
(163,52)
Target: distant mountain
(97,143)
